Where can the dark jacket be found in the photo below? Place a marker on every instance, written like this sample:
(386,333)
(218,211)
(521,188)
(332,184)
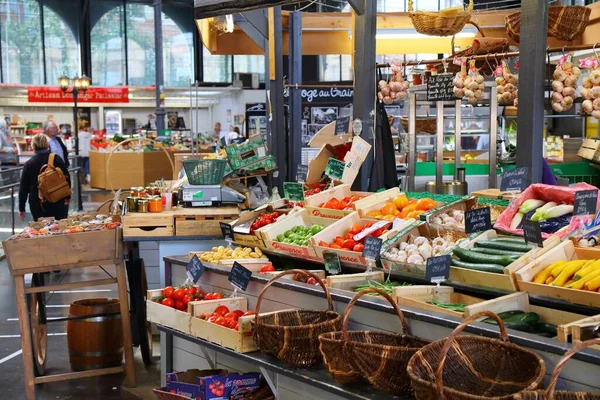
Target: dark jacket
(29,187)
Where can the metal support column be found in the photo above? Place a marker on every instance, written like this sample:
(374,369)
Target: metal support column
(530,118)
(365,29)
(295,76)
(276,138)
(439,148)
(493,177)
(411,161)
(457,135)
(160,80)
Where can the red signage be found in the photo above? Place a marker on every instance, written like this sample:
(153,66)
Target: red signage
(50,94)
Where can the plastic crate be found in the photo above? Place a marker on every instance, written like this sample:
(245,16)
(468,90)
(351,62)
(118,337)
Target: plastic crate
(204,172)
(577,172)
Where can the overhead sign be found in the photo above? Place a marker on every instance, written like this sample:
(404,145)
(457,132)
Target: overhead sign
(54,94)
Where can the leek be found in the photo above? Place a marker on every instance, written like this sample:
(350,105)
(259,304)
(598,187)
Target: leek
(531,205)
(539,213)
(516,220)
(558,211)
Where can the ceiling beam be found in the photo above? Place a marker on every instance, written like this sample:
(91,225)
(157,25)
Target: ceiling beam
(255,24)
(358,6)
(214,8)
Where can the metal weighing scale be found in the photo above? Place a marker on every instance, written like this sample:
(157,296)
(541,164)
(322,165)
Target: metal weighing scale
(209,195)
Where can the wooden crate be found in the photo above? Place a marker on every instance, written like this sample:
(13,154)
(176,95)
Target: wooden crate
(564,251)
(312,203)
(203,221)
(589,148)
(583,329)
(166,316)
(375,201)
(350,281)
(148,224)
(461,205)
(25,255)
(253,264)
(240,340)
(494,194)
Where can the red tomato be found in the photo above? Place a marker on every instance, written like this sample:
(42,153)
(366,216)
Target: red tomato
(239,313)
(267,268)
(221,310)
(356,228)
(212,319)
(168,302)
(231,316)
(179,305)
(349,244)
(335,246)
(178,294)
(217,296)
(168,291)
(338,240)
(348,236)
(209,296)
(236,327)
(220,321)
(186,299)
(192,290)
(368,225)
(354,198)
(312,281)
(323,243)
(247,313)
(343,204)
(359,247)
(317,190)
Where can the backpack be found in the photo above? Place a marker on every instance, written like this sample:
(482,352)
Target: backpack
(52,183)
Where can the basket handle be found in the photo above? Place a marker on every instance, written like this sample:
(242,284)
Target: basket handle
(405,328)
(450,341)
(478,30)
(563,361)
(290,272)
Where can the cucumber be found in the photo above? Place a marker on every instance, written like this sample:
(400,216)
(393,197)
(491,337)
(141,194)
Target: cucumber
(528,318)
(503,316)
(508,246)
(546,335)
(507,239)
(498,269)
(541,327)
(519,326)
(478,258)
(496,252)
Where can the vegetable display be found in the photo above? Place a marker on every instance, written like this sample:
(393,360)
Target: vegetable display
(456,218)
(470,86)
(348,242)
(525,322)
(344,204)
(224,317)
(416,250)
(591,93)
(552,216)
(227,253)
(178,298)
(574,274)
(457,307)
(264,219)
(490,255)
(299,235)
(75,224)
(394,90)
(310,192)
(402,207)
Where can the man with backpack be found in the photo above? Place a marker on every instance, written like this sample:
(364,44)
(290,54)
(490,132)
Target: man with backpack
(45,181)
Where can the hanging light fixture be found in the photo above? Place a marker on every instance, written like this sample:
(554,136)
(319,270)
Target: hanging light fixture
(229,23)
(85,82)
(63,82)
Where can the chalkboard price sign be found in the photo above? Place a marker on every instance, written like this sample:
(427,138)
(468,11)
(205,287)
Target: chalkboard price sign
(195,269)
(478,220)
(293,191)
(532,233)
(514,180)
(342,125)
(335,169)
(585,202)
(441,88)
(301,173)
(372,247)
(239,276)
(332,262)
(437,268)
(226,230)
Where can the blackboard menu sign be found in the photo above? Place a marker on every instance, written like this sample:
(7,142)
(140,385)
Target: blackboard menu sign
(342,125)
(514,180)
(335,168)
(332,262)
(437,268)
(195,269)
(239,276)
(585,202)
(372,247)
(301,173)
(226,230)
(478,220)
(532,233)
(293,191)
(440,88)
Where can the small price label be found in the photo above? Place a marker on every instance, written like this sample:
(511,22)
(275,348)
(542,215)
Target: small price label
(437,268)
(301,173)
(195,269)
(478,220)
(372,248)
(342,125)
(335,169)
(514,180)
(532,233)
(239,276)
(226,230)
(293,191)
(332,262)
(585,202)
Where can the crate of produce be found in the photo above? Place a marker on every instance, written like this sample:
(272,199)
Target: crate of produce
(564,272)
(246,228)
(392,204)
(452,216)
(204,171)
(231,328)
(407,252)
(161,309)
(298,277)
(148,224)
(292,236)
(334,203)
(351,281)
(203,221)
(584,329)
(250,258)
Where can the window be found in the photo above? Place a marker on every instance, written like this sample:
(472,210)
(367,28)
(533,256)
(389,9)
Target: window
(141,54)
(216,68)
(178,47)
(61,47)
(335,68)
(108,44)
(250,64)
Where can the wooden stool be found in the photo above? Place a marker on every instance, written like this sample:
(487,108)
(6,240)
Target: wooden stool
(63,252)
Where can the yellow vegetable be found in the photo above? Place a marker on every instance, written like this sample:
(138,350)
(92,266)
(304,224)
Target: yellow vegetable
(569,271)
(593,284)
(549,280)
(586,270)
(543,275)
(580,284)
(558,267)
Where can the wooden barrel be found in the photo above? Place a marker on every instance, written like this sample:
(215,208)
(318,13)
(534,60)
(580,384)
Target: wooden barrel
(95,342)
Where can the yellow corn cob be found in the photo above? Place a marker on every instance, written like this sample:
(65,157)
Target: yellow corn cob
(579,285)
(549,280)
(559,267)
(569,271)
(593,284)
(586,270)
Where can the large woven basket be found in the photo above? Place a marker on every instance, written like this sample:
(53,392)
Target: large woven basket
(422,125)
(551,393)
(293,335)
(380,357)
(439,23)
(474,367)
(564,22)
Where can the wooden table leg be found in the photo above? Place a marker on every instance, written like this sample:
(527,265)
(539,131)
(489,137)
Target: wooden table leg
(21,298)
(126,325)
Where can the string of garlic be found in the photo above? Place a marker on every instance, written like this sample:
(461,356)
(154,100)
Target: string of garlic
(507,85)
(591,93)
(394,90)
(564,85)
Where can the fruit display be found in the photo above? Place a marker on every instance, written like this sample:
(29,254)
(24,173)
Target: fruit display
(264,219)
(75,224)
(524,322)
(299,235)
(178,298)
(402,207)
(470,86)
(591,93)
(574,274)
(396,89)
(490,255)
(222,316)
(310,192)
(552,216)
(507,85)
(417,249)
(349,242)
(564,85)
(456,218)
(293,204)
(227,253)
(343,204)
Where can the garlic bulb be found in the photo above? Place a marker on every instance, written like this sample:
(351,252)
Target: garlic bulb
(564,86)
(394,90)
(507,85)
(587,106)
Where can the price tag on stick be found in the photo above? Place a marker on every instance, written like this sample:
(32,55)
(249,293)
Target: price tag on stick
(478,220)
(239,276)
(372,248)
(437,268)
(514,180)
(195,269)
(533,233)
(301,173)
(332,262)
(585,202)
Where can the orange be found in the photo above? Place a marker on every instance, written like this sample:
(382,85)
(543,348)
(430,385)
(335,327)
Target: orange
(411,201)
(389,217)
(426,204)
(400,201)
(414,214)
(409,208)
(374,214)
(389,208)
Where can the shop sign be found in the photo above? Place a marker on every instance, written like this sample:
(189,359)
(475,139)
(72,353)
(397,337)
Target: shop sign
(478,220)
(51,94)
(331,95)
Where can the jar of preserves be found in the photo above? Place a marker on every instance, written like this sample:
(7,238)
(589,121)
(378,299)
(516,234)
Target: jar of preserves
(155,204)
(142,205)
(141,192)
(135,192)
(149,191)
(132,204)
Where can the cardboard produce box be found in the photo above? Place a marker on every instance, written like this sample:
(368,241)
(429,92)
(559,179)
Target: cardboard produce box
(252,154)
(353,159)
(339,192)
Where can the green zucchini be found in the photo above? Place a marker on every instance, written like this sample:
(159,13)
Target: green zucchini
(545,334)
(519,326)
(498,269)
(503,316)
(496,252)
(508,246)
(549,329)
(507,239)
(478,258)
(528,318)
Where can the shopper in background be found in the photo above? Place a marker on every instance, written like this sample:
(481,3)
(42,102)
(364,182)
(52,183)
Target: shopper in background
(7,150)
(84,152)
(234,134)
(217,132)
(29,182)
(56,145)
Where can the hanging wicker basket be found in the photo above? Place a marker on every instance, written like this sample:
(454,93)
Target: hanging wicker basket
(474,367)
(439,23)
(550,393)
(293,335)
(564,22)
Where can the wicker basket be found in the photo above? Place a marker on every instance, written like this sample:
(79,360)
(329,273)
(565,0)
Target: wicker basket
(476,367)
(438,24)
(292,335)
(423,125)
(564,22)
(380,357)
(550,393)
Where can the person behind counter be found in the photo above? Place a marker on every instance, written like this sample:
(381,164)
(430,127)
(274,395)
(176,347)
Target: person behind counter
(29,183)
(56,145)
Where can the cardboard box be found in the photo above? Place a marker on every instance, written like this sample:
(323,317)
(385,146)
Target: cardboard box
(214,384)
(244,154)
(354,159)
(339,192)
